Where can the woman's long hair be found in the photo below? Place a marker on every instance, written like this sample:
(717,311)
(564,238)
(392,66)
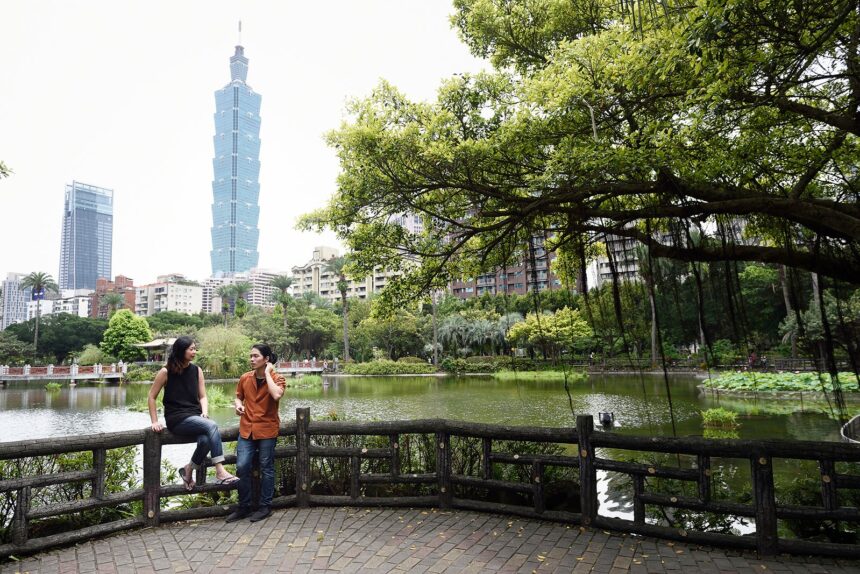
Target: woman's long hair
(266,351)
(176,359)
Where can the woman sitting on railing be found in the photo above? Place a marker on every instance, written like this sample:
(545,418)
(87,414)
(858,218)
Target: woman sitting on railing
(186,410)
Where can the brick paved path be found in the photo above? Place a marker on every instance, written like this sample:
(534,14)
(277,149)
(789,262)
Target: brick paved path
(392,540)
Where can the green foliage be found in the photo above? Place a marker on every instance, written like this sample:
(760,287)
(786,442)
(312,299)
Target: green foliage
(13,351)
(52,386)
(549,375)
(387,367)
(121,474)
(223,352)
(804,489)
(124,330)
(174,324)
(806,382)
(92,355)
(719,418)
(140,373)
(61,335)
(397,334)
(563,330)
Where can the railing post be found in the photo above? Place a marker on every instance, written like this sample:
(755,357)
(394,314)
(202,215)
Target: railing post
(486,453)
(587,473)
(765,504)
(537,487)
(303,458)
(443,468)
(151,478)
(828,484)
(20,520)
(394,442)
(99,470)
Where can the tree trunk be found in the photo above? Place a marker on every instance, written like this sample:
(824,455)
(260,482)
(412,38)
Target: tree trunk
(345,326)
(38,316)
(789,310)
(653,302)
(435,332)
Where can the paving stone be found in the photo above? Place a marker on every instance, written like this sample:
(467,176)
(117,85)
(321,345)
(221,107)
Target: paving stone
(349,540)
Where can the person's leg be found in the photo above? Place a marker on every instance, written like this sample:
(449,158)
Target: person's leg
(202,429)
(267,478)
(244,458)
(267,471)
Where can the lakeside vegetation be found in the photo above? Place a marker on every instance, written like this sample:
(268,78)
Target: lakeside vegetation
(776,382)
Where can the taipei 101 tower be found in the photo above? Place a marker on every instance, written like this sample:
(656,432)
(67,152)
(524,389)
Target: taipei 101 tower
(236,185)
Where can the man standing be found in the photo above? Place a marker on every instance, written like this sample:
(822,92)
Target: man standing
(257,396)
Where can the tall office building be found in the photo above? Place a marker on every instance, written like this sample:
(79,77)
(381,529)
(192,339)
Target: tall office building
(236,186)
(87,242)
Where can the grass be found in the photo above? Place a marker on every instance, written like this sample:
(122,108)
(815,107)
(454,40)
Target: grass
(305,381)
(506,375)
(719,418)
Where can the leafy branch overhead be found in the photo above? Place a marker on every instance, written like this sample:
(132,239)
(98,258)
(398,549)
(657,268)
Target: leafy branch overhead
(732,122)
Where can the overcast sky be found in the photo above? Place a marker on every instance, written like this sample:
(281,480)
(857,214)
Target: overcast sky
(119,94)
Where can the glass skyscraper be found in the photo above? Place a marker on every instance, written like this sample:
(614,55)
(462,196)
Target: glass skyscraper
(236,186)
(87,242)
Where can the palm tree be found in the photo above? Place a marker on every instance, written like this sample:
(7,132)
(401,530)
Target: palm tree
(225,292)
(241,289)
(337,265)
(39,283)
(282,283)
(112,301)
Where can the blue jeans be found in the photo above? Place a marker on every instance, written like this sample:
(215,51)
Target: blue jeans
(208,438)
(245,450)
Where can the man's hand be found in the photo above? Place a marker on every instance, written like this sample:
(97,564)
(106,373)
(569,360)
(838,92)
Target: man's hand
(156,427)
(240,410)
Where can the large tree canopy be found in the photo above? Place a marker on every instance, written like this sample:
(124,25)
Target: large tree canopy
(710,130)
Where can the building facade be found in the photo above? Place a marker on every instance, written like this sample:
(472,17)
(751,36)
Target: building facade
(71,301)
(236,187)
(520,278)
(313,277)
(14,300)
(121,285)
(261,293)
(169,293)
(87,238)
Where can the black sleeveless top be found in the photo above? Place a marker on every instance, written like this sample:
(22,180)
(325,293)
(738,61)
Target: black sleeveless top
(181,398)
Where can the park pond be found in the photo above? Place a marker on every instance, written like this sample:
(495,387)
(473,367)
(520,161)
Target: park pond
(639,404)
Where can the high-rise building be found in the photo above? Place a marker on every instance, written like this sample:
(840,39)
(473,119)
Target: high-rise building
(14,300)
(236,186)
(87,240)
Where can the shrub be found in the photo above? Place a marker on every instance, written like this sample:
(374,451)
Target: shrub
(139,373)
(387,367)
(413,360)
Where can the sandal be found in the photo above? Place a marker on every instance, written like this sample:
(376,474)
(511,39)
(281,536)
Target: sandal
(187,478)
(228,480)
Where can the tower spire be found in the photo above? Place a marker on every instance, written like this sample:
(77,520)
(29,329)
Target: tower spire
(240,32)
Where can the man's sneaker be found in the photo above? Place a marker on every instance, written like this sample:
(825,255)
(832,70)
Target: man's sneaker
(238,514)
(260,514)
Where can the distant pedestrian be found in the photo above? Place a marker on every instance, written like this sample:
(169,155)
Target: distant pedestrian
(257,396)
(186,410)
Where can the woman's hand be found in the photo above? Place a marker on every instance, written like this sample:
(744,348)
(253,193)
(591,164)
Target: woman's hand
(156,427)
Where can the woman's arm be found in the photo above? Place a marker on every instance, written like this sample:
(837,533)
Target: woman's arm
(154,390)
(201,393)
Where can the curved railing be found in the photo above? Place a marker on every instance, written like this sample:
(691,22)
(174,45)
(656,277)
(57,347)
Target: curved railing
(442,485)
